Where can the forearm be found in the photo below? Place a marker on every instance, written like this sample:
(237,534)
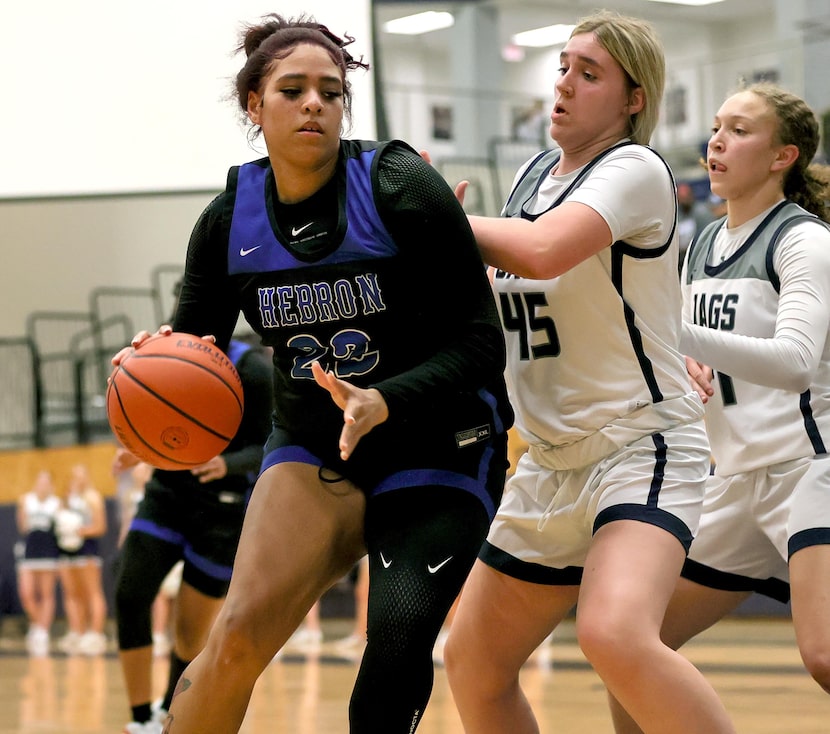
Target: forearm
(508,244)
(781,362)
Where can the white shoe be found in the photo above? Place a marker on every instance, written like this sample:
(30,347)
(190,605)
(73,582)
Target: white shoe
(159,714)
(37,642)
(305,638)
(148,727)
(69,643)
(92,644)
(351,643)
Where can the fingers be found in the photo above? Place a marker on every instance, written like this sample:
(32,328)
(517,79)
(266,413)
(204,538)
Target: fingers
(123,460)
(700,378)
(139,339)
(324,379)
(211,470)
(461,190)
(363,409)
(120,356)
(426,156)
(143,336)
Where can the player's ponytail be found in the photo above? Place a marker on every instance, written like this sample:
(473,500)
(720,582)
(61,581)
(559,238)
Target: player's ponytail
(806,183)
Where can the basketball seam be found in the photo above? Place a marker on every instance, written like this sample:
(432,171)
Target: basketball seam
(114,387)
(138,355)
(178,410)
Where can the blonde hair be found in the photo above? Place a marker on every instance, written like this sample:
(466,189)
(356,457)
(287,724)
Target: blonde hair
(634,45)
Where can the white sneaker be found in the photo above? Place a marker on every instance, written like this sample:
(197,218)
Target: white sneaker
(69,643)
(352,642)
(92,644)
(148,727)
(159,714)
(305,638)
(37,641)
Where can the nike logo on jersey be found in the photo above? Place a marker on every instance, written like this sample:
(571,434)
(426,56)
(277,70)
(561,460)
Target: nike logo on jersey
(243,251)
(296,230)
(385,563)
(435,569)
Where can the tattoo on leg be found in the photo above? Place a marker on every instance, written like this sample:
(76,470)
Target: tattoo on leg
(181,687)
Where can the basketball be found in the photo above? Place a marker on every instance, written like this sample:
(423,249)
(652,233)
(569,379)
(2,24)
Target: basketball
(175,402)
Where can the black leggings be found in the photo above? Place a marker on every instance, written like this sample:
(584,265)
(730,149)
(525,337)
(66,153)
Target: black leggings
(422,543)
(143,563)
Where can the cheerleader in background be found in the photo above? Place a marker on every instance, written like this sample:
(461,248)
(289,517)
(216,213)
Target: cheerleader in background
(80,524)
(37,559)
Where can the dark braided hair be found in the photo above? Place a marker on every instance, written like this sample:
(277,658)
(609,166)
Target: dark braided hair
(275,37)
(806,183)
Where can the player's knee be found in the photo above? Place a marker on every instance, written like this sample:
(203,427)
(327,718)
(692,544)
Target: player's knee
(133,602)
(236,643)
(607,640)
(467,673)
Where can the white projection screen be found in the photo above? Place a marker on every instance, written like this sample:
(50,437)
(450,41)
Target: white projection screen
(108,97)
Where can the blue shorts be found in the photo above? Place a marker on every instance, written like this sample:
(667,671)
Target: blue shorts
(40,551)
(381,464)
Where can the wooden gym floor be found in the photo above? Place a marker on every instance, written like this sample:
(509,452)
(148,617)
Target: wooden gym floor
(753,663)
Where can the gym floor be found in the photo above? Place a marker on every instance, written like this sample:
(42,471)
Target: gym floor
(753,663)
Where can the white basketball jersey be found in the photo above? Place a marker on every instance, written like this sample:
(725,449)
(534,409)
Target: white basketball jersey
(598,345)
(739,294)
(40,514)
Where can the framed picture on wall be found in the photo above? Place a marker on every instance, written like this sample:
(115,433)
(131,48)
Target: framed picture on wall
(680,112)
(765,75)
(442,122)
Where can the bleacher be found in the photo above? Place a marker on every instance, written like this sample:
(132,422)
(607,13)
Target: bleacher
(54,379)
(490,177)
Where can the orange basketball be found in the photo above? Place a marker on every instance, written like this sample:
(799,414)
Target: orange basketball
(175,402)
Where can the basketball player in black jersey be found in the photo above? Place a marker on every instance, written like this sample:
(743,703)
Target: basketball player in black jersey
(355,263)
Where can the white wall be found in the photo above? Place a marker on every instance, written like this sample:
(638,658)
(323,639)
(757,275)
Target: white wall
(55,251)
(116,98)
(107,96)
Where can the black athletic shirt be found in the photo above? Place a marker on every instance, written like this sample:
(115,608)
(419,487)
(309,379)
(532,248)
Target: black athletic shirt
(376,275)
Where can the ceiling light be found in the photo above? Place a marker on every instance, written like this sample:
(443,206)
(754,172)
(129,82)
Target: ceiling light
(413,25)
(688,2)
(551,35)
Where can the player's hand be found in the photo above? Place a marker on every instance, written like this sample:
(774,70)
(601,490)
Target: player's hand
(138,340)
(362,409)
(144,335)
(461,190)
(700,378)
(123,460)
(211,470)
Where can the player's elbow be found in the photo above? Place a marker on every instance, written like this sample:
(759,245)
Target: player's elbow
(799,380)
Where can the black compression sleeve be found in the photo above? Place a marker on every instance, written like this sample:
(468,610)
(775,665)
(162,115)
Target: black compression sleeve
(421,212)
(208,303)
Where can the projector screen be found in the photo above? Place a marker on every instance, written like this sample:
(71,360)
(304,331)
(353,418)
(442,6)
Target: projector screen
(105,97)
